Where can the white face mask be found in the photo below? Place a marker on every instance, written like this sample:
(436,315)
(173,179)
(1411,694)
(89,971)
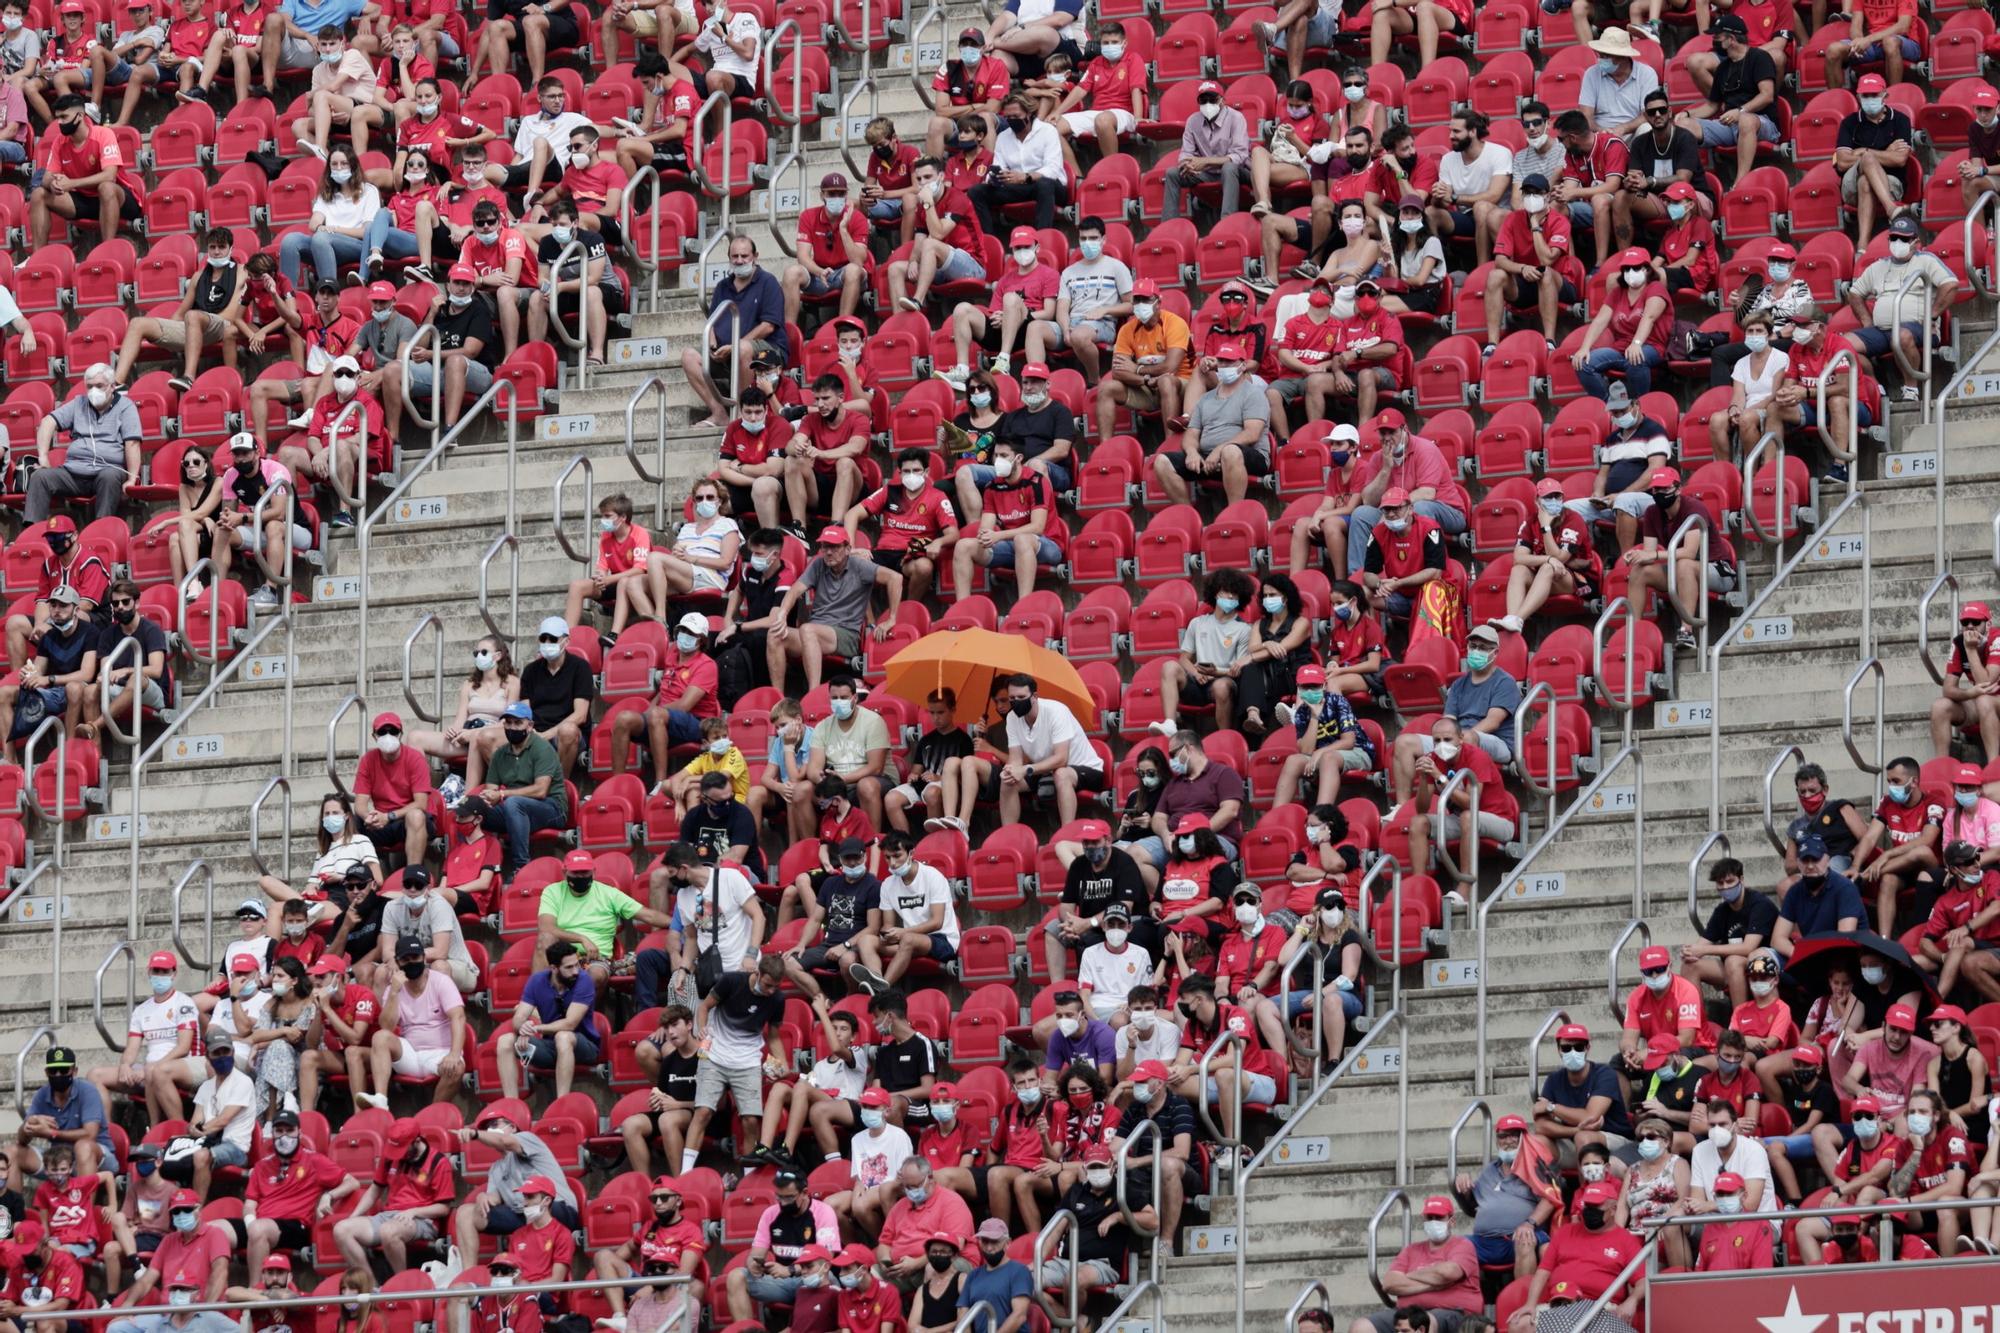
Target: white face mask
(1534,203)
(1211,111)
(835,205)
(1538,142)
(1098,1179)
(1659,983)
(334,824)
(1186,845)
(1592,1171)
(687,643)
(1920,1124)
(1113,51)
(100,398)
(1445,750)
(1025,256)
(1437,1231)
(1762,988)
(1246,914)
(1143,311)
(340,175)
(1069,1027)
(1779,272)
(1721,1136)
(1636,277)
(551,652)
(1116,937)
(1142,1022)
(1650,1149)
(1228,374)
(1353,226)
(1901,249)
(389,745)
(1003,465)
(1574,1061)
(1728,1203)
(483,661)
(743,270)
(1142,1093)
(915,481)
(849,351)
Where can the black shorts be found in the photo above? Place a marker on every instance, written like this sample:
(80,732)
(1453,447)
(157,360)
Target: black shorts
(741,504)
(564,30)
(815,958)
(517,175)
(1032,66)
(292,1233)
(1255,463)
(738,85)
(1424,299)
(670,161)
(1528,295)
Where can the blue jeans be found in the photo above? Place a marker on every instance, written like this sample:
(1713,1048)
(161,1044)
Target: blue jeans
(383,236)
(519,817)
(1363,520)
(1638,379)
(329,251)
(652,971)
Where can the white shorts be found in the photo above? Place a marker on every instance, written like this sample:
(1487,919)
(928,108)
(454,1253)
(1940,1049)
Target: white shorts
(1085,122)
(417,1063)
(911,796)
(1491,826)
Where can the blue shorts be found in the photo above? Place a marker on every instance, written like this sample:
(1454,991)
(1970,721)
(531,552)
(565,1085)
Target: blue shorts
(1300,1000)
(1047,553)
(1462,222)
(773,1290)
(542,1053)
(1582,213)
(1873,51)
(1500,1249)
(1796,1147)
(1262,1090)
(13,152)
(448,46)
(885,210)
(478,379)
(122,72)
(942,949)
(1322,28)
(227,1154)
(1715,134)
(504,1221)
(1875,342)
(961,267)
(1809,414)
(827,283)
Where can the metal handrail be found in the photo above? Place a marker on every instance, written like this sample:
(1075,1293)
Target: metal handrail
(1847,455)
(1383,864)
(1856,497)
(1063,1223)
(1626,752)
(512,544)
(925,93)
(795,118)
(1318,989)
(581,342)
(352,703)
(318,1301)
(1144,1287)
(1477,1106)
(1298,1307)
(1776,533)
(137,687)
(865,84)
(45,866)
(1224,1037)
(1945,580)
(59,859)
(426,333)
(280,578)
(1987,202)
(1965,370)
(208,962)
(715,316)
(1642,1260)
(359,499)
(434,714)
(1671,550)
(278,782)
(1771,834)
(584,556)
(979,1310)
(699,172)
(189,589)
(1396,1196)
(1621,704)
(649,262)
(1916,374)
(1521,711)
(1468,827)
(657,386)
(487,402)
(1555,1019)
(1708,844)
(1145,1128)
(46,1032)
(842,40)
(1633,927)
(131,953)
(1873,664)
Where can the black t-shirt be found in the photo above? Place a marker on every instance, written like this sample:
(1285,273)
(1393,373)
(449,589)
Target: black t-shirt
(793,1231)
(552,692)
(152,639)
(930,752)
(1753,914)
(715,833)
(901,1065)
(847,903)
(1682,152)
(1676,1094)
(1831,825)
(215,288)
(1090,890)
(1736,81)
(1857,131)
(677,1075)
(65,651)
(550,249)
(1801,1103)
(761,593)
(741,1009)
(1037,430)
(1091,1208)
(457,327)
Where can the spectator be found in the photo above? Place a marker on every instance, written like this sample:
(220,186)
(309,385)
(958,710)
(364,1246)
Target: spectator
(1228,434)
(740,1019)
(924,1212)
(975,87)
(718,824)
(55,683)
(1025,292)
(1858,1159)
(414,1184)
(392,787)
(618,576)
(1958,918)
(1809,1101)
(754,326)
(421,1033)
(1550,560)
(1584,1258)
(225,1114)
(1509,1215)
(1092,298)
(290,1189)
(1890,1065)
(1956,1072)
(671,1242)
(1105,1238)
(1731,1079)
(660,138)
(522,1162)
(588,913)
(1663,155)
(1688,587)
(915,519)
(461,362)
(925,921)
(344,92)
(208,310)
(1884,323)
(1337,953)
(1435,1280)
(1636,317)
(1979,173)
(1742,922)
(1661,1005)
(668,1056)
(1737,109)
(1473,181)
(1754,385)
(887,192)
(731,43)
(1872,148)
(949,246)
(67,1114)
(504,270)
(587,278)
(558,690)
(755,448)
(1150,364)
(1028,165)
(793,1227)
(822,473)
(85,573)
(1045,743)
(1215,149)
(1582,1092)
(933,766)
(1098,876)
(832,254)
(1972,817)
(841,583)
(1213,655)
(523,790)
(1879,31)
(103,455)
(81,161)
(686,697)
(552,1026)
(1014,510)
(1728,1245)
(1901,844)
(1246,1064)
(1593,173)
(1410,464)
(1042,428)
(1613,96)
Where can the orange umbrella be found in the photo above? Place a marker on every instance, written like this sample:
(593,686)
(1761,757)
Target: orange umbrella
(966,662)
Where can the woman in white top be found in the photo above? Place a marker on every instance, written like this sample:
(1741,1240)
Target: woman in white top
(342,846)
(1752,383)
(490,687)
(340,218)
(1418,282)
(703,554)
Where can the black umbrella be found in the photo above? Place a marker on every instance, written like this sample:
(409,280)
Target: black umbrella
(1814,954)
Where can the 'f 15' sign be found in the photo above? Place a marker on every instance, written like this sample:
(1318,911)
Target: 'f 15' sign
(1946,1297)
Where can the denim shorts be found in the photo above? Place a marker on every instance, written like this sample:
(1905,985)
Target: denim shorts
(1876,342)
(1715,134)
(827,283)
(1796,1147)
(961,267)
(1873,51)
(1299,1001)
(1262,1089)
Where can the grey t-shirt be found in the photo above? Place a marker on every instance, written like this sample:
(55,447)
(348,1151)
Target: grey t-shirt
(384,338)
(435,919)
(1468,699)
(1095,284)
(18,50)
(1214,642)
(1548,164)
(839,600)
(510,1171)
(1220,416)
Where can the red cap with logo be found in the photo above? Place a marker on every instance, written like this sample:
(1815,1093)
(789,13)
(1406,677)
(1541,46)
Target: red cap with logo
(1310,675)
(1865,1105)
(1191,822)
(1021,236)
(1871,83)
(381,291)
(1663,477)
(1902,1016)
(833,535)
(163,961)
(1229,351)
(1655,956)
(1985,94)
(579,860)
(1395,497)
(1510,1124)
(1572,1032)
(539,1185)
(875,1097)
(1949,1013)
(1389,419)
(1090,830)
(1728,1183)
(1438,1206)
(1149,1071)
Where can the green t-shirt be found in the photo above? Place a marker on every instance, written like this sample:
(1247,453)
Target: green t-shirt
(596,915)
(537,759)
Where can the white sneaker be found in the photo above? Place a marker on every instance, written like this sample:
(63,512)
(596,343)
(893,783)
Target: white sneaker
(1002,365)
(94,111)
(1455,898)
(265,596)
(1164,727)
(614,1322)
(313,148)
(373,1100)
(301,421)
(1512,624)
(1225,1160)
(1283,712)
(1267,33)
(957,375)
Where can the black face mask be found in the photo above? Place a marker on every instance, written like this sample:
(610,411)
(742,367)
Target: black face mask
(1593,1217)
(579,884)
(994,1258)
(965,145)
(940,1263)
(793,1204)
(414,968)
(517,737)
(1018,124)
(886,151)
(61,1082)
(58,542)
(1020,707)
(1665,499)
(124,615)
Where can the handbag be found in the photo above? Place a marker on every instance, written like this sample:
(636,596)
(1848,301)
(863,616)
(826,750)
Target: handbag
(708,962)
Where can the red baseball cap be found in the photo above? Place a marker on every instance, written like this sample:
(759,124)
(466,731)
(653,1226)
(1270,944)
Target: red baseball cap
(401,1134)
(1149,1071)
(1871,83)
(1389,419)
(1656,956)
(1901,1016)
(1021,236)
(1948,1013)
(1598,1191)
(1548,486)
(1310,675)
(1208,86)
(1145,287)
(1728,1183)
(1394,497)
(279,1262)
(243,962)
(1034,370)
(1968,775)
(1664,477)
(1097,1152)
(184,1199)
(1865,1104)
(1808,1055)
(74,7)
(579,860)
(875,1097)
(1970,611)
(163,961)
(833,535)
(1510,1124)
(381,291)
(665,1185)
(462,273)
(386,720)
(942,1091)
(488,1116)
(1229,351)
(1680,191)
(1439,1206)
(539,1185)
(28,1234)
(1572,1032)
(1636,257)
(1985,94)
(1090,830)
(853,1255)
(60,523)
(1660,1050)
(329,965)
(1191,822)
(1781,251)
(814,1254)
(1845,1219)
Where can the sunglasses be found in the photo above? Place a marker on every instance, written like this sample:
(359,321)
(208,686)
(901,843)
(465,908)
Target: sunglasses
(1533,124)
(549,638)
(1658,111)
(1971,624)
(1572,1046)
(1652,971)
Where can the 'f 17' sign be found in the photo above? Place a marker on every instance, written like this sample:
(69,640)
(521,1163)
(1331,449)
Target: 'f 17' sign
(1943,1297)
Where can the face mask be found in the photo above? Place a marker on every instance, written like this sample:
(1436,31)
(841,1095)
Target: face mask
(1226,604)
(1396,524)
(1534,203)
(1762,988)
(1445,750)
(1866,1130)
(1437,1231)
(1574,1061)
(1228,374)
(743,270)
(915,481)
(1899,792)
(1636,277)
(281,987)
(475,176)
(99,399)
(1149,778)
(413,969)
(161,985)
(350,1308)
(886,151)
(1871,106)
(246,989)
(1211,111)
(843,709)
(1659,983)
(1479,659)
(871,1119)
(1004,466)
(180,1296)
(1069,1026)
(907,870)
(459,302)
(854,872)
(1091,249)
(1019,125)
(1551,505)
(503,1279)
(1593,1217)
(1650,1149)
(551,652)
(11,22)
(340,175)
(1965,799)
(687,643)
(849,352)
(760,563)
(1874,976)
(1143,311)
(1098,1179)
(1355,226)
(1185,844)
(980,399)
(1779,272)
(1920,1124)
(813,1281)
(329,57)
(1901,249)
(1028,1096)
(389,744)
(1592,1171)
(1625,420)
(1757,343)
(186,1220)
(1728,1203)
(1113,52)
(1246,914)
(1721,1136)
(1506,1156)
(1677,210)
(582,158)
(852,1278)
(1034,399)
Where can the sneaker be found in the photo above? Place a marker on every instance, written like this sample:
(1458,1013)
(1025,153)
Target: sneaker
(1910,394)
(301,421)
(1164,727)
(954,823)
(193,591)
(341,520)
(1001,365)
(258,90)
(374,265)
(956,376)
(451,791)
(1835,473)
(354,278)
(1489,349)
(795,412)
(313,148)
(1267,35)
(907,304)
(265,597)
(1177,425)
(180,384)
(935,824)
(1308,270)
(94,111)
(1259,209)
(615,1322)
(1455,898)
(867,978)
(419,273)
(1261,286)
(1512,624)
(373,1100)
(192,95)
(1283,712)
(1225,1160)
(1684,640)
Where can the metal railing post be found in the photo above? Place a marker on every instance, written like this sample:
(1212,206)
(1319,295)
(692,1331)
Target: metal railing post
(1062,1225)
(435,713)
(588,553)
(279,782)
(281,578)
(1771,835)
(649,262)
(512,545)
(1318,989)
(60,858)
(1620,703)
(125,648)
(45,1033)
(657,387)
(581,342)
(1671,551)
(1938,584)
(208,961)
(1298,1307)
(1522,711)
(1477,1106)
(1468,828)
(1861,761)
(1716,839)
(426,333)
(1645,933)
(1397,1198)
(1847,455)
(1146,1129)
(131,955)
(1915,374)
(925,93)
(699,171)
(1555,1019)
(355,704)
(190,589)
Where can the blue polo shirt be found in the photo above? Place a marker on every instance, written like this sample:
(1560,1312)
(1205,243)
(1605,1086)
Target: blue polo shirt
(762,302)
(85,1105)
(551,1004)
(1820,913)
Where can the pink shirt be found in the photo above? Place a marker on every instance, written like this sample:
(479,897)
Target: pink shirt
(825,1232)
(1423,465)
(908,1228)
(424,1020)
(1036,286)
(1462,1295)
(1892,1078)
(1979,826)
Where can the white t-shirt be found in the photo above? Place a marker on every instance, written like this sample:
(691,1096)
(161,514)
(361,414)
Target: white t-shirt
(707,546)
(1409,263)
(1110,976)
(912,900)
(1757,389)
(159,1023)
(236,1090)
(1160,1044)
(733,933)
(1746,1158)
(261,949)
(721,55)
(340,211)
(1095,284)
(223,1016)
(556,129)
(877,1155)
(836,1079)
(1054,728)
(1495,161)
(342,854)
